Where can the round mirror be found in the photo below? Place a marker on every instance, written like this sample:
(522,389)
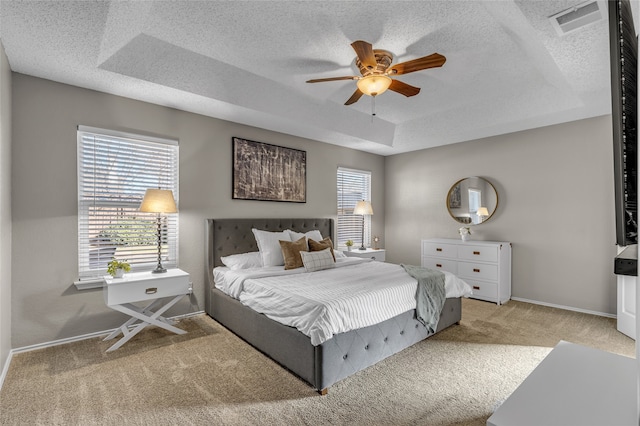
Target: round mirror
(472,200)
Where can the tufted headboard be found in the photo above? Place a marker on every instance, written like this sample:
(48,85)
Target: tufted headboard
(232,236)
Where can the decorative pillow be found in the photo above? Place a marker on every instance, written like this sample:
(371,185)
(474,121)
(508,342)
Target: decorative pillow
(321,245)
(243,260)
(295,236)
(317,260)
(339,255)
(291,252)
(269,246)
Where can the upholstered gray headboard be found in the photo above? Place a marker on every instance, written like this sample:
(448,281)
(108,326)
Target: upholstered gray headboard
(232,236)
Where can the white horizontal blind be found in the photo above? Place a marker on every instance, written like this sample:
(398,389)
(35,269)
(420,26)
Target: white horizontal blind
(114,171)
(353,186)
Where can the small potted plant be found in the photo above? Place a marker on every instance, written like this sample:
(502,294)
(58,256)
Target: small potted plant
(465,233)
(349,244)
(117,268)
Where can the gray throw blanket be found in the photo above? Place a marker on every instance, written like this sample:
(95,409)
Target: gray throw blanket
(430,295)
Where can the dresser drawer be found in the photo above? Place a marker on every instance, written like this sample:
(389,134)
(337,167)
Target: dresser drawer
(439,249)
(479,271)
(484,291)
(440,264)
(380,257)
(138,287)
(478,253)
(374,254)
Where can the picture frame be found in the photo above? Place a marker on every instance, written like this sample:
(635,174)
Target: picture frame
(266,172)
(455,198)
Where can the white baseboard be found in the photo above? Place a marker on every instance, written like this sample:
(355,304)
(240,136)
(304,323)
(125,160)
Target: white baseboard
(567,308)
(37,346)
(5,369)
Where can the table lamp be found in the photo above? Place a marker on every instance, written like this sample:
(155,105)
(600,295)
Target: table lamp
(482,213)
(159,201)
(363,208)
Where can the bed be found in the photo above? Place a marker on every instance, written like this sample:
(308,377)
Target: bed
(321,365)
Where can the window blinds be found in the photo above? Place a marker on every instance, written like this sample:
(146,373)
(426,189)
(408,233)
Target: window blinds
(353,186)
(114,171)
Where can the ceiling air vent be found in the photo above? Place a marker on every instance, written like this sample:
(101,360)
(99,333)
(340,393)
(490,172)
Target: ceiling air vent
(578,16)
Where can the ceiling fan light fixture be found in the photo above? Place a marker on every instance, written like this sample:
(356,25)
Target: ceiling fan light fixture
(375,67)
(375,84)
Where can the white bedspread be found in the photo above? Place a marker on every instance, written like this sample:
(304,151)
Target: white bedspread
(355,294)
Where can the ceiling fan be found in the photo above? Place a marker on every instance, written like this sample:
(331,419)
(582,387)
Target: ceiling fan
(376,69)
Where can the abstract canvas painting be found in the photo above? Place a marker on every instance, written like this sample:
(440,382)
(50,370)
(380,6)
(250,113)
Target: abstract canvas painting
(455,198)
(268,172)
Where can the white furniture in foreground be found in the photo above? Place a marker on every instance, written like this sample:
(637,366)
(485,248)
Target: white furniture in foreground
(574,386)
(484,265)
(375,254)
(121,293)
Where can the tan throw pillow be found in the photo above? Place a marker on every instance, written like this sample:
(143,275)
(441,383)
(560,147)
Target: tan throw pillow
(321,245)
(291,252)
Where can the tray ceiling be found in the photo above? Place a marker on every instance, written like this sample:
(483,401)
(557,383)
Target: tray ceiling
(507,68)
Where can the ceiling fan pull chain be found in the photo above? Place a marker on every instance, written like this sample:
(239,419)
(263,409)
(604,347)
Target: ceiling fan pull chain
(373,107)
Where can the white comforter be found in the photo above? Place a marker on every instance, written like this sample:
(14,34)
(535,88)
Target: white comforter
(355,294)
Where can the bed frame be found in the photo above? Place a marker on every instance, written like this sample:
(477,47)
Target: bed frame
(323,365)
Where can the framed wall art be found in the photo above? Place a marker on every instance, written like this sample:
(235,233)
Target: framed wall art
(266,172)
(455,198)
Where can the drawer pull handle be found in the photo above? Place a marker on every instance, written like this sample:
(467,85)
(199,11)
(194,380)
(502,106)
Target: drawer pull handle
(476,270)
(477,253)
(439,265)
(151,290)
(438,249)
(476,287)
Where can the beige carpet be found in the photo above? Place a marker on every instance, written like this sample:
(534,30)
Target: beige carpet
(209,376)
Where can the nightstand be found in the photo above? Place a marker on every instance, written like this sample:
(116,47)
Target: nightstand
(121,293)
(375,254)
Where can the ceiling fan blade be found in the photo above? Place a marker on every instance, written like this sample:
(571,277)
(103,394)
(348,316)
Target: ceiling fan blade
(404,88)
(432,61)
(320,80)
(354,98)
(364,50)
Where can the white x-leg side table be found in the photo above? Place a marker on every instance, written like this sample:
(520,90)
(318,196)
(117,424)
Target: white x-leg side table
(121,293)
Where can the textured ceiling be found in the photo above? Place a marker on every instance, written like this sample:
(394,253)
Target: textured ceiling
(507,69)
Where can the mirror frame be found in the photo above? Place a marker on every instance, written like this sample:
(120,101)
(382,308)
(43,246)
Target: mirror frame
(449,193)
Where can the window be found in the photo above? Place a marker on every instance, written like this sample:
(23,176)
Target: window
(353,186)
(475,200)
(114,171)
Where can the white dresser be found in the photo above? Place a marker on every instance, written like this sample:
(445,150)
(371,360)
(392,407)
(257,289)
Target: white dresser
(484,265)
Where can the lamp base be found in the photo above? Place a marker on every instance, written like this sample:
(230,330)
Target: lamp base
(159,269)
(362,248)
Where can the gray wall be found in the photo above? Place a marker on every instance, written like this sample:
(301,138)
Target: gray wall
(555,186)
(556,205)
(46,305)
(5,208)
